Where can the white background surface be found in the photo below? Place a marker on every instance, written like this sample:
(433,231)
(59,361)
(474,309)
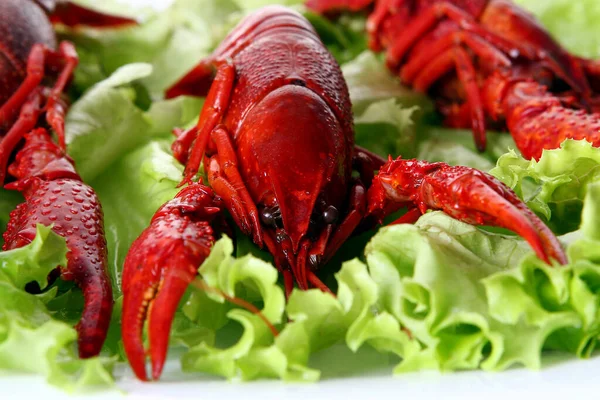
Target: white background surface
(565,379)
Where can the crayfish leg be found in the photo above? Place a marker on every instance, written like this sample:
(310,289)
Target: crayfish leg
(30,112)
(228,175)
(35,74)
(55,110)
(213,110)
(39,59)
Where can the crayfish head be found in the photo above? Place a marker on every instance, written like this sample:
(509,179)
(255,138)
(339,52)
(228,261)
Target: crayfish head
(297,161)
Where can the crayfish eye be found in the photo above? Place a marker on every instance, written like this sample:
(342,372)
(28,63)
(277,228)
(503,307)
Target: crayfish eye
(266,216)
(270,216)
(330,215)
(314,260)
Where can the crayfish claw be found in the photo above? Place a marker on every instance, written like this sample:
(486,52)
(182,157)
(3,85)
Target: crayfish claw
(154,301)
(95,318)
(480,199)
(466,194)
(160,265)
(520,219)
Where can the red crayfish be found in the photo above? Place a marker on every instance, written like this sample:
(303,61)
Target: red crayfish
(485,61)
(54,193)
(276,139)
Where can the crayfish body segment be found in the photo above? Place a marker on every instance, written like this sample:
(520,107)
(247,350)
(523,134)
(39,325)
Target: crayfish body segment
(276,139)
(475,58)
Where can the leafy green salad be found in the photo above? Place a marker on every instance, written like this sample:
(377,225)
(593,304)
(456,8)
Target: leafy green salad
(439,294)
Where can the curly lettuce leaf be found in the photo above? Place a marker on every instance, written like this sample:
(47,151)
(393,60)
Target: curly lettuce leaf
(430,275)
(34,262)
(31,339)
(246,277)
(481,300)
(555,186)
(539,292)
(319,321)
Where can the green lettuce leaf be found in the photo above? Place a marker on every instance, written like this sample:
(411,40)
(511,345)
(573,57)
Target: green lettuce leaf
(369,81)
(482,300)
(391,119)
(130,192)
(457,147)
(106,123)
(186,31)
(252,355)
(31,340)
(318,321)
(555,186)
(575,24)
(34,262)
